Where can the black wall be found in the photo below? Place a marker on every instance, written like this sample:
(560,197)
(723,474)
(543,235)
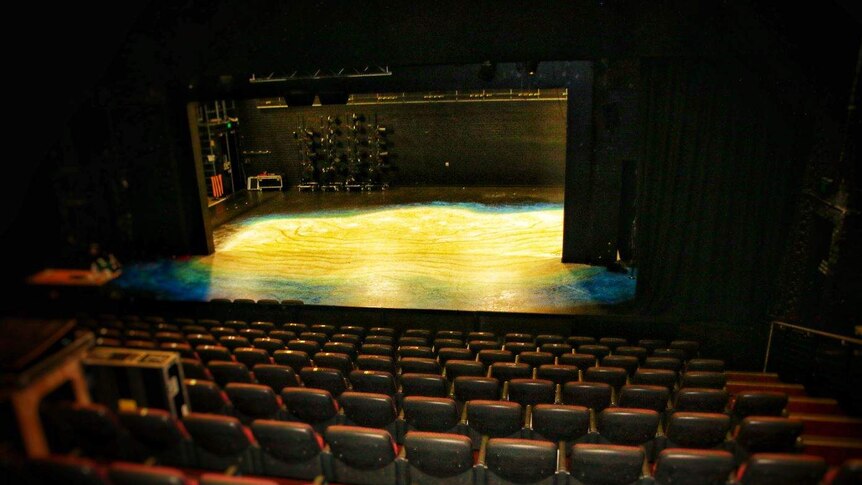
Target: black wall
(484,143)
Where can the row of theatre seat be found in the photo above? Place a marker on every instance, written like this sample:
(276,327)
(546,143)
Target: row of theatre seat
(363,456)
(577,395)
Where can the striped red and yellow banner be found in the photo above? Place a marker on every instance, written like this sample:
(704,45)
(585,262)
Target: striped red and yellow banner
(218,188)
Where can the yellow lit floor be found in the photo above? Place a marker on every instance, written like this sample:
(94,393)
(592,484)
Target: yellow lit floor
(462,256)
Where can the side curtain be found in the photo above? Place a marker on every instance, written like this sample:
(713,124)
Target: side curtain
(720,168)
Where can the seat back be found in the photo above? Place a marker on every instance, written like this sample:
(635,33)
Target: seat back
(362,456)
(420,351)
(289,449)
(331,380)
(488,357)
(644,397)
(781,469)
(250,356)
(330,360)
(758,403)
(560,422)
(606,464)
(627,362)
(535,359)
(558,349)
(558,374)
(375,362)
(628,426)
(598,351)
(156,433)
(441,458)
(506,371)
(295,359)
(220,442)
(194,369)
(703,379)
(701,400)
(468,388)
(418,365)
(512,461)
(708,365)
(655,377)
(373,381)
(225,372)
(615,376)
(369,409)
(756,434)
(431,385)
(693,467)
(207,397)
(269,344)
(313,406)
(253,401)
(697,430)
(208,353)
(276,377)
(581,361)
(593,395)
(456,368)
(529,392)
(433,414)
(662,362)
(497,419)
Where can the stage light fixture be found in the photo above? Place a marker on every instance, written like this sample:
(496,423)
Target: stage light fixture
(532,67)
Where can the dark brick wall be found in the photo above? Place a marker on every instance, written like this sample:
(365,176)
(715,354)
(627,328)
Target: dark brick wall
(488,143)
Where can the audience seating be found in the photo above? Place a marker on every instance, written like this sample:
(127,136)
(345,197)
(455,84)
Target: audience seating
(289,449)
(693,467)
(319,402)
(519,461)
(362,456)
(439,459)
(606,464)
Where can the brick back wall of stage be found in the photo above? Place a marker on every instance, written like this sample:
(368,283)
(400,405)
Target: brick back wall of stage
(487,143)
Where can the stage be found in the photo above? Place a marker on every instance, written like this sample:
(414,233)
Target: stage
(465,249)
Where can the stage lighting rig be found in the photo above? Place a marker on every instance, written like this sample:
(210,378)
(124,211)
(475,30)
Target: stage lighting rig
(343,73)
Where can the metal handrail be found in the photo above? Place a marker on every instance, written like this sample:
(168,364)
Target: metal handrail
(842,338)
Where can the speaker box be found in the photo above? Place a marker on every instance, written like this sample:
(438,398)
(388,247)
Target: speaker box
(130,378)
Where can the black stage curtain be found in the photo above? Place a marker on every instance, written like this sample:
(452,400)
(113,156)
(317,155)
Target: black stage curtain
(722,162)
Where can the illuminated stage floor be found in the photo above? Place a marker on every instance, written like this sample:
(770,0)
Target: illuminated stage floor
(471,249)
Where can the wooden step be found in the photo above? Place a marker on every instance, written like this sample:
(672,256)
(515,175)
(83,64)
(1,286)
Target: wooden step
(834,450)
(753,376)
(813,405)
(830,425)
(735,387)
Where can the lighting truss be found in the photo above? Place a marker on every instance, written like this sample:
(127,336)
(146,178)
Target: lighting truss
(367,71)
